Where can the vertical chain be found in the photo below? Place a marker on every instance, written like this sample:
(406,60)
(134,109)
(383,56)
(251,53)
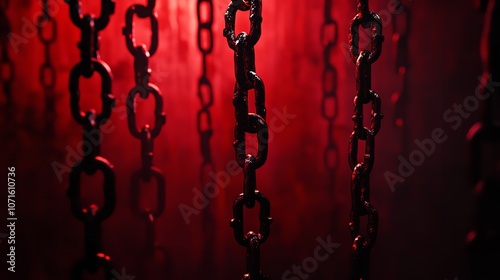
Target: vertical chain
(254,123)
(205,14)
(7,67)
(329,101)
(360,183)
(47,72)
(92,216)
(401,28)
(484,139)
(144,88)
(205,17)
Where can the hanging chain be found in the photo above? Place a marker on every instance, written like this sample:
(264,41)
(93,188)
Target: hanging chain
(254,123)
(7,69)
(48,76)
(144,89)
(484,138)
(401,28)
(329,101)
(205,91)
(360,184)
(90,63)
(205,16)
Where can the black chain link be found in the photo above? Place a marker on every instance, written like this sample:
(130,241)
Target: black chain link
(205,17)
(401,28)
(484,138)
(255,123)
(329,101)
(144,89)
(47,72)
(90,63)
(7,67)
(360,184)
(205,14)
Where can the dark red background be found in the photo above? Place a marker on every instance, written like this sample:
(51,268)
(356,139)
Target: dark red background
(423,224)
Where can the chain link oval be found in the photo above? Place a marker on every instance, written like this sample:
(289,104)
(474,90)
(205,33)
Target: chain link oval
(160,117)
(255,7)
(137,177)
(90,166)
(264,218)
(141,12)
(108,100)
(77,17)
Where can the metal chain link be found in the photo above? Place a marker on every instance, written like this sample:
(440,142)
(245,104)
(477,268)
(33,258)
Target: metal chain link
(205,91)
(484,138)
(401,28)
(90,64)
(144,89)
(329,101)
(205,17)
(360,183)
(254,123)
(47,72)
(7,67)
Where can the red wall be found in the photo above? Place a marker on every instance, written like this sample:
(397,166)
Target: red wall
(423,223)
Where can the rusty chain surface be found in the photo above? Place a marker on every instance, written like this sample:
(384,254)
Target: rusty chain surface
(254,123)
(329,101)
(360,182)
(484,140)
(90,63)
(144,88)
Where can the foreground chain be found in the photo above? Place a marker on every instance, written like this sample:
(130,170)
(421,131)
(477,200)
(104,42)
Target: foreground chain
(484,138)
(48,76)
(329,101)
(255,123)
(144,89)
(360,183)
(90,64)
(7,67)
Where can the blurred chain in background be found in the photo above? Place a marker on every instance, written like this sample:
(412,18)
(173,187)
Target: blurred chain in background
(401,26)
(7,75)
(484,140)
(205,93)
(145,89)
(329,101)
(48,71)
(7,66)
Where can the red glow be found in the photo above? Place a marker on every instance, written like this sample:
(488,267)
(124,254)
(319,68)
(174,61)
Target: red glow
(103,256)
(399,122)
(402,70)
(470,236)
(395,37)
(395,97)
(307,200)
(478,188)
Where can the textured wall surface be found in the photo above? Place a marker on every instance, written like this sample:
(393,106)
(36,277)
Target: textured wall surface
(423,221)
